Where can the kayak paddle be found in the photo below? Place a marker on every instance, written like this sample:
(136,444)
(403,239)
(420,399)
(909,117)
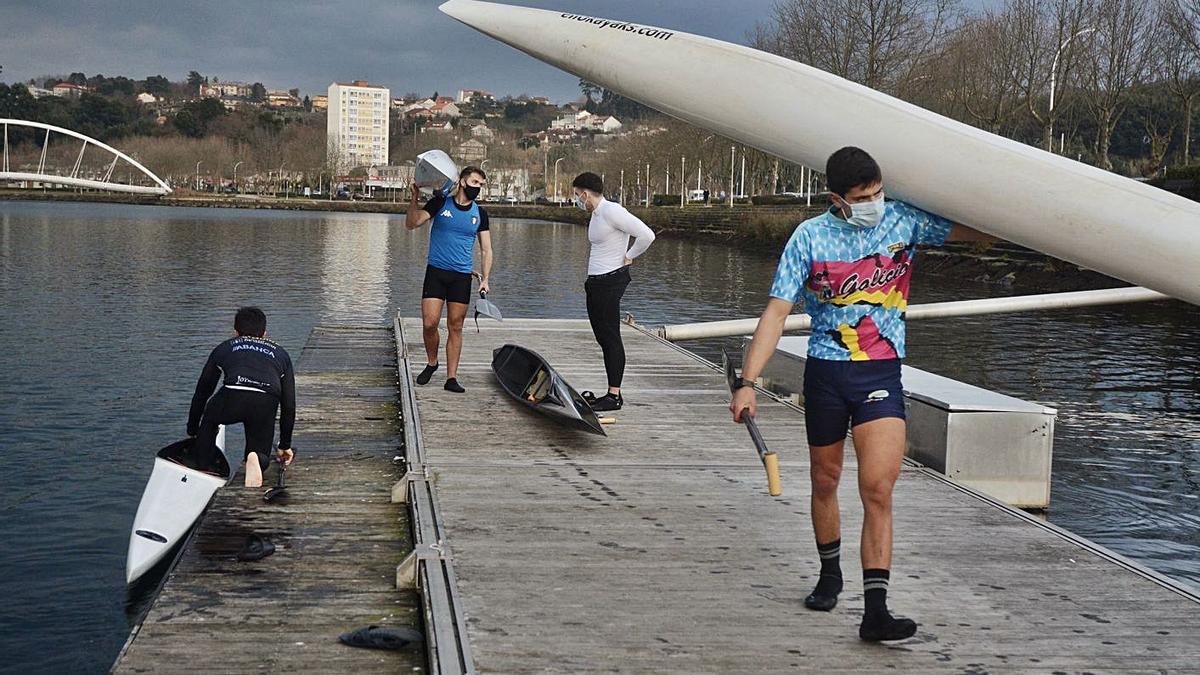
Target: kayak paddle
(487,308)
(280,488)
(769,459)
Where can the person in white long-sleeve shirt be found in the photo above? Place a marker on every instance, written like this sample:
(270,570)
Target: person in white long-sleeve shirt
(609,231)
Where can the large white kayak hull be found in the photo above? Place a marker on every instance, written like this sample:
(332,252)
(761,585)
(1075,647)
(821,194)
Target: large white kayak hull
(174,498)
(1067,209)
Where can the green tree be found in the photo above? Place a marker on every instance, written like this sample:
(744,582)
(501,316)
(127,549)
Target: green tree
(16,102)
(307,104)
(157,85)
(78,79)
(258,92)
(194,80)
(195,117)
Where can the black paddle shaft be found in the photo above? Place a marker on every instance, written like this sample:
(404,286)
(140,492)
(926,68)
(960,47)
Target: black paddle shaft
(751,426)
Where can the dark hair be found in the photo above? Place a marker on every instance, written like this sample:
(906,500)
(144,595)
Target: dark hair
(250,321)
(466,173)
(849,168)
(589,181)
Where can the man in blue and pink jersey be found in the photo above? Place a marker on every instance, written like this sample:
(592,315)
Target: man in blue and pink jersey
(851,267)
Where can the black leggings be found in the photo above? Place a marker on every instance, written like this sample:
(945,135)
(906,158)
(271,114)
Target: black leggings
(256,413)
(604,293)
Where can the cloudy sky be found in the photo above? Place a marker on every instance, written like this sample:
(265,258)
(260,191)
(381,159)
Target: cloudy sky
(406,45)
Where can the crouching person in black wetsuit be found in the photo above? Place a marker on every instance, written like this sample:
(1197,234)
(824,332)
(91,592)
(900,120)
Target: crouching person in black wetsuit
(258,381)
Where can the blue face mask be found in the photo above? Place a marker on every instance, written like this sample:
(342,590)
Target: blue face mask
(579,203)
(866,214)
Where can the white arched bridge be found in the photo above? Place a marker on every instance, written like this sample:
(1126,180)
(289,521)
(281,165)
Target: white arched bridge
(96,177)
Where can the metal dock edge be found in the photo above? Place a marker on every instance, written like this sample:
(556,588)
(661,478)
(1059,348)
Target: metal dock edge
(430,565)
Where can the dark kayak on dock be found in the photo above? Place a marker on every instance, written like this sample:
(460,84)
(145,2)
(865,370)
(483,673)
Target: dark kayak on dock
(527,377)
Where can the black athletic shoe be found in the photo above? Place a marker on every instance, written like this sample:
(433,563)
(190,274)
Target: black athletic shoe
(453,385)
(884,627)
(423,378)
(608,402)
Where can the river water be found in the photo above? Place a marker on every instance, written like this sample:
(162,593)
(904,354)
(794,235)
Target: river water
(109,312)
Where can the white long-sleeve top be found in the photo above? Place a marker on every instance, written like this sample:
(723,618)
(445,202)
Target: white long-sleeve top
(609,232)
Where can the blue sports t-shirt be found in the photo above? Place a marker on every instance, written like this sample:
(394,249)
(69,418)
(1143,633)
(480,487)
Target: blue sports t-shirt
(452,235)
(854,281)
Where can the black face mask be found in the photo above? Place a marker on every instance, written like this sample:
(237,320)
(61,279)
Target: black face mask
(471,191)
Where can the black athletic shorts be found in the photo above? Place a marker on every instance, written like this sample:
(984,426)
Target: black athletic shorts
(841,394)
(447,285)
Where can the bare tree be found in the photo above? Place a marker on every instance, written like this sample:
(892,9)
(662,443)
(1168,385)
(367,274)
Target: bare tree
(1180,42)
(1119,52)
(1044,34)
(977,68)
(879,43)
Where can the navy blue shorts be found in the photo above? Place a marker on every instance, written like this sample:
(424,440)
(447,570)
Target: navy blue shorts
(842,394)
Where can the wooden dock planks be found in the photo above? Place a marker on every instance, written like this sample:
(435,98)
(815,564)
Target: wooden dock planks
(339,538)
(657,549)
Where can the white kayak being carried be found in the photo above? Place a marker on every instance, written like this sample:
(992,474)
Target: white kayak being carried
(175,496)
(435,171)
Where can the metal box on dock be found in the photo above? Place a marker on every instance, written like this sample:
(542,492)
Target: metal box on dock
(997,444)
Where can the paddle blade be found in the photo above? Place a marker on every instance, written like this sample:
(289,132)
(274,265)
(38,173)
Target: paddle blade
(488,309)
(730,376)
(774,483)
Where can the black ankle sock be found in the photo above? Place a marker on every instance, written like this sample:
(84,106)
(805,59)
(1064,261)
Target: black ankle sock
(829,585)
(453,385)
(878,623)
(423,378)
(831,558)
(875,588)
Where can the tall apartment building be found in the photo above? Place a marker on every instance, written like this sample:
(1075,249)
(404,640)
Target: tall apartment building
(358,125)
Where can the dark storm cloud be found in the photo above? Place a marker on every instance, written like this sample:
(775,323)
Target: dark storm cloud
(406,45)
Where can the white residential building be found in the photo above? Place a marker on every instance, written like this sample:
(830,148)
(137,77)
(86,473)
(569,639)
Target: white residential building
(445,109)
(358,125)
(465,95)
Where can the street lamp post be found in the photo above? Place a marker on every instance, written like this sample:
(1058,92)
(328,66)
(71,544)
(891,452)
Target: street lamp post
(732,164)
(647,185)
(682,181)
(235,185)
(198,175)
(556,199)
(1053,78)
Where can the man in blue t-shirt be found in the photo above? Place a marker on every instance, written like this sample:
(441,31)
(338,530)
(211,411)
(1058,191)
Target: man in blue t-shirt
(851,267)
(457,222)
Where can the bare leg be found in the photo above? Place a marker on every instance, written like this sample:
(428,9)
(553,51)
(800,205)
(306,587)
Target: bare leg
(879,445)
(254,477)
(826,472)
(456,314)
(431,317)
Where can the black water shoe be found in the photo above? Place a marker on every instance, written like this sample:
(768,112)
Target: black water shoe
(883,626)
(379,637)
(453,385)
(256,548)
(423,378)
(825,596)
(608,402)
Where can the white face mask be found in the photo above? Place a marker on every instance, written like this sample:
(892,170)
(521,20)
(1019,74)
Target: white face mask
(865,214)
(580,204)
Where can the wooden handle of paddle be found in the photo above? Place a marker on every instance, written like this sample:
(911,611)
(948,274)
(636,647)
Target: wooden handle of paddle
(774,484)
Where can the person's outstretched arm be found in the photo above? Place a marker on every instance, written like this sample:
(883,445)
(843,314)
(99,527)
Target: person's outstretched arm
(485,252)
(209,377)
(762,348)
(287,410)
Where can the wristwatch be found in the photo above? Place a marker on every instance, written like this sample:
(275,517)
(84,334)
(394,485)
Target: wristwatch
(738,383)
